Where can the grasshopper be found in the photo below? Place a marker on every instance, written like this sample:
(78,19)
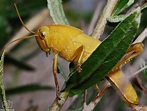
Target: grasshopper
(74,46)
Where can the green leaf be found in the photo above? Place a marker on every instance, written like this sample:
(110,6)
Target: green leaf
(122,4)
(106,56)
(144,6)
(56,12)
(3,95)
(27,88)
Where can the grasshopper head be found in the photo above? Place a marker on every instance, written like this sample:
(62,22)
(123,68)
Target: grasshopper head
(42,36)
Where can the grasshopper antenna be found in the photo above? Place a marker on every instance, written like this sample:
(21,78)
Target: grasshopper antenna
(22,20)
(21,38)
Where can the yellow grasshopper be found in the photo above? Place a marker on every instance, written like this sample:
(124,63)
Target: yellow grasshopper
(74,46)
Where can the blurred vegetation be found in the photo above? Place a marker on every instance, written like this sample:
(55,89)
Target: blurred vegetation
(10,24)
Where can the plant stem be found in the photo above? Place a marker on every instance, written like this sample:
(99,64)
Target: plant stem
(5,105)
(96,16)
(58,103)
(98,31)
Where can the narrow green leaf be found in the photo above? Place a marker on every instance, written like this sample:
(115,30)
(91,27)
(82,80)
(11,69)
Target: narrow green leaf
(144,6)
(3,95)
(122,4)
(106,56)
(56,12)
(27,88)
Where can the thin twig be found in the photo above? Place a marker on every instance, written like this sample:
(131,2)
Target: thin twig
(141,37)
(2,87)
(140,84)
(137,72)
(84,102)
(98,31)
(139,108)
(139,3)
(95,16)
(93,103)
(58,103)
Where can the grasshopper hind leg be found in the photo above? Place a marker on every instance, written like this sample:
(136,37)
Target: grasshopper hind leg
(118,79)
(132,52)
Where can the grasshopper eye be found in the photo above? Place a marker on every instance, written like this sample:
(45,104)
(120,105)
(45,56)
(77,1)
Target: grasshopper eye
(43,32)
(42,35)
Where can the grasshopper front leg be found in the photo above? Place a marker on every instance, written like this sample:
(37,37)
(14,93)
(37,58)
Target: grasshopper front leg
(118,79)
(55,63)
(77,58)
